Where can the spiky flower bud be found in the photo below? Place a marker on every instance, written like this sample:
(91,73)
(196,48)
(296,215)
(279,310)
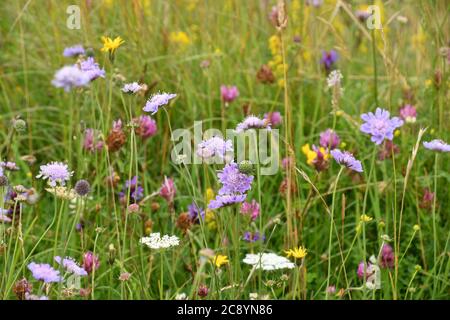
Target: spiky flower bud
(82,187)
(246,167)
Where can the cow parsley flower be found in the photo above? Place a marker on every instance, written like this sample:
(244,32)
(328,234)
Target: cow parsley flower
(44,272)
(69,77)
(437,145)
(252,122)
(74,51)
(55,172)
(379,125)
(71,266)
(347,159)
(155,241)
(268,261)
(214,146)
(157,101)
(226,200)
(133,87)
(234,181)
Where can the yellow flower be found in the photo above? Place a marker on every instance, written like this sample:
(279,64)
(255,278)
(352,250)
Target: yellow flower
(396,133)
(180,38)
(428,83)
(365,218)
(310,155)
(110,45)
(209,195)
(297,253)
(220,260)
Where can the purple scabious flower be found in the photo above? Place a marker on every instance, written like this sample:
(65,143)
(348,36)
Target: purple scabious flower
(329,59)
(55,172)
(347,159)
(387,258)
(379,125)
(146,126)
(158,100)
(134,188)
(195,212)
(234,181)
(252,122)
(44,272)
(8,165)
(437,145)
(92,69)
(69,77)
(408,113)
(214,146)
(251,208)
(253,237)
(228,93)
(274,119)
(133,87)
(3,216)
(91,141)
(329,139)
(226,200)
(74,51)
(71,266)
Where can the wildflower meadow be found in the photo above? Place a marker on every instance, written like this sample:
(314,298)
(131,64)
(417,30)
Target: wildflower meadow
(224,150)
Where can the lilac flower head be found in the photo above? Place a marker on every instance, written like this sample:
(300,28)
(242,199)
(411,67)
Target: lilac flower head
(157,101)
(228,93)
(91,140)
(44,272)
(251,208)
(437,145)
(3,216)
(74,51)
(274,119)
(347,159)
(329,59)
(226,200)
(233,180)
(214,146)
(135,189)
(147,126)
(379,125)
(408,113)
(252,122)
(133,87)
(69,77)
(329,139)
(71,266)
(55,172)
(195,212)
(92,69)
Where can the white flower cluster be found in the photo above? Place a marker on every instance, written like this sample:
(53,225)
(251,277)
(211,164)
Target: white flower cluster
(155,241)
(268,261)
(334,79)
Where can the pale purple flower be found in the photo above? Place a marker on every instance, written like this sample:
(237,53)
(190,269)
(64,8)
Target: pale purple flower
(437,145)
(251,208)
(379,125)
(134,188)
(71,266)
(74,51)
(274,119)
(117,125)
(29,296)
(3,215)
(347,159)
(55,172)
(8,165)
(360,271)
(252,122)
(228,93)
(90,262)
(133,87)
(387,258)
(329,59)
(92,141)
(233,180)
(69,77)
(168,190)
(226,200)
(158,100)
(329,139)
(314,3)
(44,272)
(408,113)
(195,212)
(147,126)
(214,146)
(92,69)
(253,237)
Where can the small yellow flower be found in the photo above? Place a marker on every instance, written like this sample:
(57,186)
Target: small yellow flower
(220,260)
(29,174)
(343,145)
(416,227)
(339,113)
(110,45)
(297,253)
(310,155)
(365,218)
(179,38)
(396,133)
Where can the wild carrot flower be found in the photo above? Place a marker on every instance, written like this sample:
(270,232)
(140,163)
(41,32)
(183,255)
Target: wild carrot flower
(214,146)
(219,260)
(408,113)
(297,253)
(379,125)
(133,87)
(346,159)
(233,181)
(387,258)
(71,266)
(92,69)
(268,261)
(92,141)
(44,272)
(110,45)
(251,208)
(437,145)
(146,126)
(55,172)
(158,100)
(74,51)
(69,77)
(273,119)
(156,242)
(167,190)
(228,93)
(329,59)
(329,139)
(90,262)
(252,122)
